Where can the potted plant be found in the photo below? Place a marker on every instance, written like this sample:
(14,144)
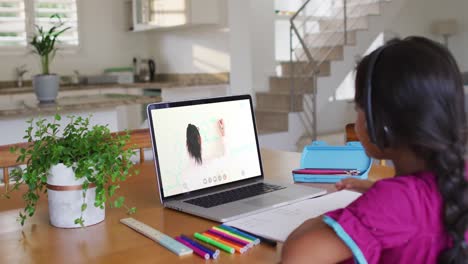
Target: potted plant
(78,166)
(46,85)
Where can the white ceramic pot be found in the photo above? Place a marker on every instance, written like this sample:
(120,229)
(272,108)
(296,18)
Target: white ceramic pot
(65,196)
(46,87)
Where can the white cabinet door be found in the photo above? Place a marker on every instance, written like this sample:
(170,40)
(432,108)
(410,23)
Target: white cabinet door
(82,92)
(5,99)
(154,14)
(116,90)
(170,13)
(193,92)
(28,97)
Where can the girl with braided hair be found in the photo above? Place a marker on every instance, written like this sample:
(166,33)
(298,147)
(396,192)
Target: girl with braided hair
(410,110)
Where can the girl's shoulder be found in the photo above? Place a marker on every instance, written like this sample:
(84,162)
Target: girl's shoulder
(421,184)
(415,183)
(414,190)
(413,198)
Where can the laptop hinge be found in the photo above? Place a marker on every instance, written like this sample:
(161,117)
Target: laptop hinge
(212,190)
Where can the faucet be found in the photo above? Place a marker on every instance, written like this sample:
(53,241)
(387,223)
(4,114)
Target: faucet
(75,77)
(20,71)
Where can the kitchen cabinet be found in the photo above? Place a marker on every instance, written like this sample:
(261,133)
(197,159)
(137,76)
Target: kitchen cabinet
(23,97)
(5,99)
(116,90)
(163,14)
(83,92)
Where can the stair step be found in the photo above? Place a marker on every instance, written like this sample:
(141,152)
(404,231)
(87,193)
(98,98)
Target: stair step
(334,25)
(322,53)
(269,101)
(356,10)
(283,84)
(304,68)
(339,3)
(269,131)
(323,39)
(276,121)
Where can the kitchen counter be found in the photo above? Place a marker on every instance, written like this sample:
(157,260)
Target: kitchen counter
(25,108)
(167,81)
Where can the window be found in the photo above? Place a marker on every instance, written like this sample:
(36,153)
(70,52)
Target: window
(12,23)
(17,19)
(66,9)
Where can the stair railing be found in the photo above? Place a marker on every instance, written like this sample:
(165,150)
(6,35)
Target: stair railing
(300,51)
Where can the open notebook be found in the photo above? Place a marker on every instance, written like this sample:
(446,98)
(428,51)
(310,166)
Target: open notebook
(278,223)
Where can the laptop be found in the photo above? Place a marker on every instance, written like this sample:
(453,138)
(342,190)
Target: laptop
(208,162)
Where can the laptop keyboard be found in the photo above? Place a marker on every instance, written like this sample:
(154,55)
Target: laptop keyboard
(234,195)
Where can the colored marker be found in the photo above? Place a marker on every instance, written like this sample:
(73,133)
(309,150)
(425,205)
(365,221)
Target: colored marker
(234,235)
(256,240)
(214,243)
(237,248)
(214,253)
(229,238)
(197,251)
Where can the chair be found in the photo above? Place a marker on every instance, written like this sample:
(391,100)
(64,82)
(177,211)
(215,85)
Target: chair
(139,140)
(350,135)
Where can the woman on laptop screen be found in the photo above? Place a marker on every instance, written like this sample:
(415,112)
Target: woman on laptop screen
(194,141)
(206,150)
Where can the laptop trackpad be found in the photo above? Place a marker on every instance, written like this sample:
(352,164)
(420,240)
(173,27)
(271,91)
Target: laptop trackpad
(266,201)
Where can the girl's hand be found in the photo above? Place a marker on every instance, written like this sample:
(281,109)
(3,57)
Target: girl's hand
(354,184)
(221,126)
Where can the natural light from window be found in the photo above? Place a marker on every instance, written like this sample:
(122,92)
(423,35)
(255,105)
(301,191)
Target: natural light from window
(210,60)
(67,10)
(12,23)
(345,90)
(168,13)
(15,15)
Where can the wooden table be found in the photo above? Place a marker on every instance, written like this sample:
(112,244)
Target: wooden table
(112,242)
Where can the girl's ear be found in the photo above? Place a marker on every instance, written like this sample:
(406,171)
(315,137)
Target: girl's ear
(199,140)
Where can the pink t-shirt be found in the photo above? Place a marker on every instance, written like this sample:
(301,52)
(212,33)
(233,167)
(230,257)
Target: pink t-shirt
(398,220)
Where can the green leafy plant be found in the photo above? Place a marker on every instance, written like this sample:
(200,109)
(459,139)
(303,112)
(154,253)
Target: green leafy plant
(44,41)
(94,154)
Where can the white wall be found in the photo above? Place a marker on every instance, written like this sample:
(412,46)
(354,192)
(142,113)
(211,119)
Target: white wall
(252,46)
(262,24)
(194,49)
(105,42)
(240,47)
(417,16)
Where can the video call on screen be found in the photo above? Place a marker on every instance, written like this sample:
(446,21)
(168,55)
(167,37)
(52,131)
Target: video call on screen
(205,145)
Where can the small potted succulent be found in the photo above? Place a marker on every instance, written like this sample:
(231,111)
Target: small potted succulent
(46,85)
(79,167)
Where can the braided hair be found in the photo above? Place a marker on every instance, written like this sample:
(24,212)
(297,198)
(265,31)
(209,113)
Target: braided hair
(418,97)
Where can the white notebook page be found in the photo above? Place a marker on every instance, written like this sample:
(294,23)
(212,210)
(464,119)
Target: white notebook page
(278,223)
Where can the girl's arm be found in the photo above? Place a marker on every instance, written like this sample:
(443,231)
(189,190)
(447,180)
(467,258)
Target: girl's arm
(354,184)
(314,242)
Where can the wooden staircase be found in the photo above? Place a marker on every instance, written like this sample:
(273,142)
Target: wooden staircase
(325,46)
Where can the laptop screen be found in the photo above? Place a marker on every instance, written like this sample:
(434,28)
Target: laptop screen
(204,144)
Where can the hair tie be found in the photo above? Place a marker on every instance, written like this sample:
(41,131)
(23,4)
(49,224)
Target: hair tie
(464,245)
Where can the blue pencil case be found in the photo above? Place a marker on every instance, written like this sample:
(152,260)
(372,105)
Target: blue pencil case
(320,155)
